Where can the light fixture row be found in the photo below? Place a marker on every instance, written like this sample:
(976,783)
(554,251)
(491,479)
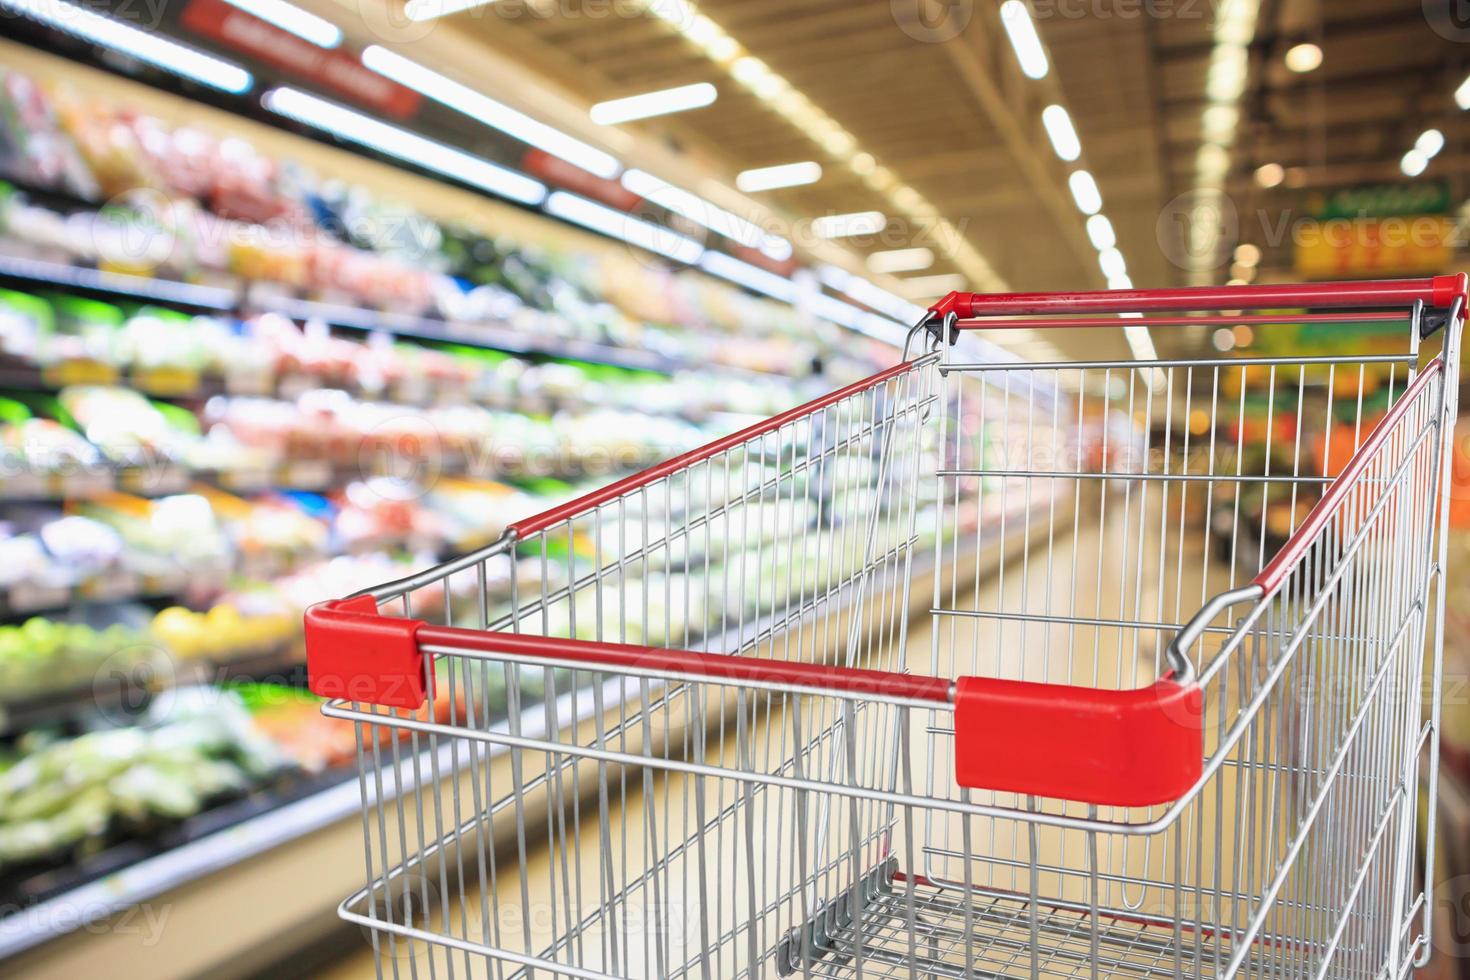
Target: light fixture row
(329,117)
(1020,30)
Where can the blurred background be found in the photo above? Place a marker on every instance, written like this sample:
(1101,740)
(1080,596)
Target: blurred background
(296,297)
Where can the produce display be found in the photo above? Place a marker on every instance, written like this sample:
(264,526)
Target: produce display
(60,793)
(40,656)
(231,388)
(185,206)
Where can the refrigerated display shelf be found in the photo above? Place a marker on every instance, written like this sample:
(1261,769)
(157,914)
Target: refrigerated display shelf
(92,897)
(126,691)
(21,272)
(211,838)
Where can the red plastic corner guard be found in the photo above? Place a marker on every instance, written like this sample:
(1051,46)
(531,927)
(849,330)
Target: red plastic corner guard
(354,653)
(1114,748)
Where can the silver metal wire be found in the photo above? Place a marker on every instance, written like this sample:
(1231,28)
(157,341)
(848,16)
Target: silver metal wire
(1090,524)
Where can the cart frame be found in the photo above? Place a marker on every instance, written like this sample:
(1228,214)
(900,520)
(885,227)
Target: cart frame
(1228,711)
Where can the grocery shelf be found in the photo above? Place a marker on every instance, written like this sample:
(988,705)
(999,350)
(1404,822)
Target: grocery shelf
(128,689)
(341,803)
(488,335)
(29,273)
(193,296)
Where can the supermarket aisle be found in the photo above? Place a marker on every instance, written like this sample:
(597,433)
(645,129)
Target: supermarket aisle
(975,646)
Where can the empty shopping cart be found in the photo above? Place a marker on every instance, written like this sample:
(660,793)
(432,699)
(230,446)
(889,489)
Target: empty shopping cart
(976,667)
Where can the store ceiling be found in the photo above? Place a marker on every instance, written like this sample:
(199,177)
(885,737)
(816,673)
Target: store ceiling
(956,120)
(1134,85)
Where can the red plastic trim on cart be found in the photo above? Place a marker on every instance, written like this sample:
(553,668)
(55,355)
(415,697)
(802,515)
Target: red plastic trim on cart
(612,491)
(1438,292)
(355,653)
(597,654)
(1113,748)
(1296,546)
(1122,748)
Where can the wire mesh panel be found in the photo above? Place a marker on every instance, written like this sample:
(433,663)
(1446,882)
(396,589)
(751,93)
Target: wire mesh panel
(682,726)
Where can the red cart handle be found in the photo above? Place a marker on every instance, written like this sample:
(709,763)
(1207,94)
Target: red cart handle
(1118,748)
(1438,292)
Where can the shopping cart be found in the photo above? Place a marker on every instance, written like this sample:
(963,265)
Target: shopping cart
(1166,710)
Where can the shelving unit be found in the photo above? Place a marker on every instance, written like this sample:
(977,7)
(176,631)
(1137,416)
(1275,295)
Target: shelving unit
(325,824)
(299,817)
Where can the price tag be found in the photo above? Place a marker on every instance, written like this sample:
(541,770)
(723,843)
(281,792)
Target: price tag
(249,383)
(86,483)
(110,587)
(292,386)
(29,596)
(307,473)
(79,372)
(25,486)
(155,481)
(167,381)
(245,481)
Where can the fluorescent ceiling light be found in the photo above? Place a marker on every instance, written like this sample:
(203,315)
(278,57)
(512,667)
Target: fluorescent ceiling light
(1100,231)
(409,147)
(860,289)
(1111,262)
(901,260)
(1429,143)
(1139,340)
(847,315)
(934,286)
(785,175)
(1085,192)
(1063,136)
(1270,174)
(843,225)
(1413,163)
(1016,18)
(659,103)
(621,225)
(706,214)
(1305,57)
(292,19)
(749,276)
(1462,94)
(155,49)
(494,114)
(421,10)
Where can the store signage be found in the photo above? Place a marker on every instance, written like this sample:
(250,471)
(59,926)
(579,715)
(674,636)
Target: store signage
(338,70)
(555,170)
(1391,246)
(1382,200)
